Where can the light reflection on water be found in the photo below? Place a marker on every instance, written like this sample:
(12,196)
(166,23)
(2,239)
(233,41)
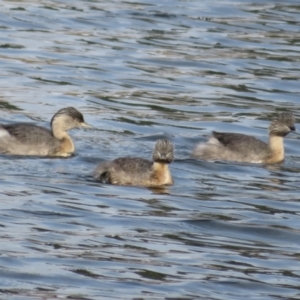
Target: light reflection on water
(139,71)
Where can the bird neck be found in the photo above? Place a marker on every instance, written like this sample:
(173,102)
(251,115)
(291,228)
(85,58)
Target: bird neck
(58,128)
(276,148)
(59,133)
(66,144)
(162,173)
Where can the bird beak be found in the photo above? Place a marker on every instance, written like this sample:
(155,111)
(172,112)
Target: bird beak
(293,130)
(85,125)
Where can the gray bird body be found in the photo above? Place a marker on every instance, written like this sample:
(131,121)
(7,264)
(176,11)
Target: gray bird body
(137,171)
(124,171)
(233,147)
(244,148)
(27,139)
(30,139)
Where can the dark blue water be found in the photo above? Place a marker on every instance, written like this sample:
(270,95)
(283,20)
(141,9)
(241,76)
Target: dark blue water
(139,71)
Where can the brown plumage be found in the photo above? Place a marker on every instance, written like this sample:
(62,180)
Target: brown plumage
(244,148)
(29,139)
(138,171)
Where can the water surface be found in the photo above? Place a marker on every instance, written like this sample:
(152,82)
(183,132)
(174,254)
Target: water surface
(139,71)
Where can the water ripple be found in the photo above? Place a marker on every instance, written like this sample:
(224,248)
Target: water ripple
(140,71)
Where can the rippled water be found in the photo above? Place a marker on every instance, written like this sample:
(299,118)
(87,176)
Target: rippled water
(140,71)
